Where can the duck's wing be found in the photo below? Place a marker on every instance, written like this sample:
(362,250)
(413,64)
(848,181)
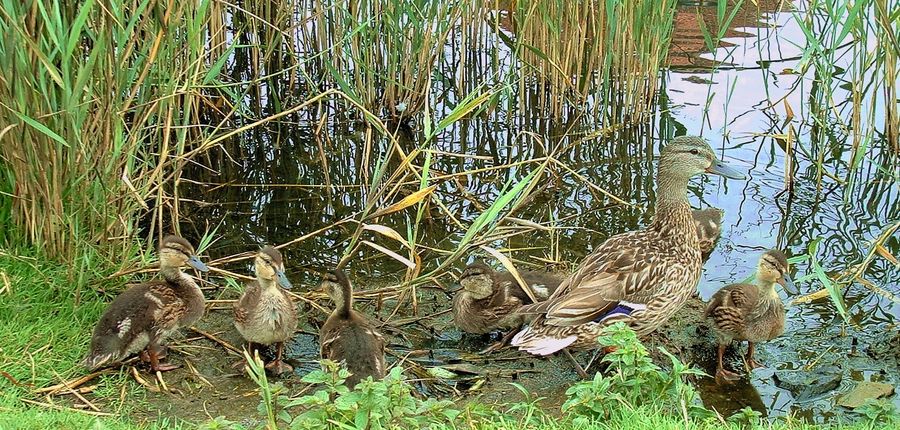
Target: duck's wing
(621,276)
(730,305)
(246,302)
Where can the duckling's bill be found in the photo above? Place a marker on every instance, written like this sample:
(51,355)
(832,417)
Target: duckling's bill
(195,262)
(283,280)
(788,284)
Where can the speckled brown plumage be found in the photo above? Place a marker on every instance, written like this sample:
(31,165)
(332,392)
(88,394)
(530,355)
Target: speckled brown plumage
(489,298)
(265,313)
(709,228)
(144,315)
(640,277)
(750,312)
(347,336)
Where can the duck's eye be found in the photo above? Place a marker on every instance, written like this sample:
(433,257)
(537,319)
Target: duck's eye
(695,151)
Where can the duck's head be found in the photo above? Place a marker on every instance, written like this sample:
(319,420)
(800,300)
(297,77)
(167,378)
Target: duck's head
(175,252)
(688,156)
(269,267)
(477,279)
(336,285)
(773,267)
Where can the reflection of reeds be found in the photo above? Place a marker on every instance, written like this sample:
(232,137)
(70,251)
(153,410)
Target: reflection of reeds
(607,52)
(98,103)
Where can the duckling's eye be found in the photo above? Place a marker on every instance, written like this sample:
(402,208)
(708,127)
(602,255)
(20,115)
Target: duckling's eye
(695,151)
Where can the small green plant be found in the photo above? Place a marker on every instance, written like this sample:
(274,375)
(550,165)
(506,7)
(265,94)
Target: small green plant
(269,393)
(746,417)
(878,411)
(633,380)
(388,403)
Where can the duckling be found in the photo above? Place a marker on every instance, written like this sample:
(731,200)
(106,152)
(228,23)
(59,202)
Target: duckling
(639,277)
(145,315)
(265,313)
(751,312)
(348,336)
(709,228)
(488,299)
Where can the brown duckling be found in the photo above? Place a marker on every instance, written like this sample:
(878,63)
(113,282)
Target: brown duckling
(488,299)
(145,315)
(265,313)
(709,228)
(348,336)
(751,312)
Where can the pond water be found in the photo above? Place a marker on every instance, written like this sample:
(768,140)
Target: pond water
(281,181)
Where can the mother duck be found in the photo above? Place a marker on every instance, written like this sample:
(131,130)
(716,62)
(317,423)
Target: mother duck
(640,277)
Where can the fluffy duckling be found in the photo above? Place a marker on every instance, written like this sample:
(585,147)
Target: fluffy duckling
(347,336)
(488,299)
(751,312)
(265,313)
(709,228)
(145,315)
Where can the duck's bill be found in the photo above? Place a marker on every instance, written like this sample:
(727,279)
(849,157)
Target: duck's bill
(283,280)
(788,284)
(197,264)
(720,168)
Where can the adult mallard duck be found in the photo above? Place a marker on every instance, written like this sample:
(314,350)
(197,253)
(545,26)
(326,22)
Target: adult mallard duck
(347,336)
(488,299)
(265,313)
(640,277)
(709,228)
(145,315)
(751,312)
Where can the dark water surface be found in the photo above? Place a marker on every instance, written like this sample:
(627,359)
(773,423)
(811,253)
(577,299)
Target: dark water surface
(280,181)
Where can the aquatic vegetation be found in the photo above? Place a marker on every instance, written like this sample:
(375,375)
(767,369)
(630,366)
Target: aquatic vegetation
(403,136)
(101,111)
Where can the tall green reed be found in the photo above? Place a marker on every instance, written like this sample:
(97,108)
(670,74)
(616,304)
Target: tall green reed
(602,54)
(383,54)
(101,104)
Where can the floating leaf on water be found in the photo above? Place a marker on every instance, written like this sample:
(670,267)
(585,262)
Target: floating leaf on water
(441,373)
(864,391)
(463,368)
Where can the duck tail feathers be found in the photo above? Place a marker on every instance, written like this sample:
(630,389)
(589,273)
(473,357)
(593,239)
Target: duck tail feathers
(540,344)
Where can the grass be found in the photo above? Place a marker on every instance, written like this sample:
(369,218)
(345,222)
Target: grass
(45,330)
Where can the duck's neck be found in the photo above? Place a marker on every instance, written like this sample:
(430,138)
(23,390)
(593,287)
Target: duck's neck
(343,303)
(673,212)
(174,275)
(267,284)
(767,291)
